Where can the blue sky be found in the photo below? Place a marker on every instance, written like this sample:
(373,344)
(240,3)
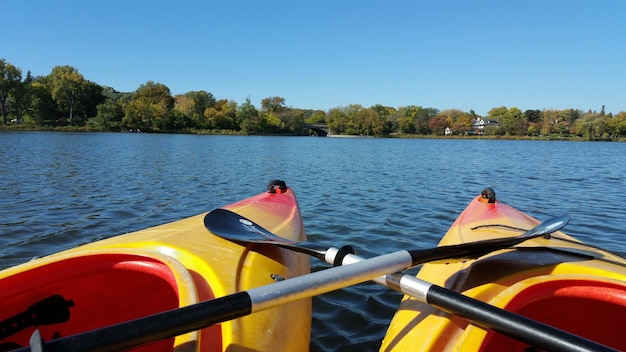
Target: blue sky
(530,54)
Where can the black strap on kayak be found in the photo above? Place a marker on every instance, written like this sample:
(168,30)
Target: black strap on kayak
(52,310)
(277,186)
(489,195)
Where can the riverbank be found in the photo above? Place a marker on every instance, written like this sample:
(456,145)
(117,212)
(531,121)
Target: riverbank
(553,137)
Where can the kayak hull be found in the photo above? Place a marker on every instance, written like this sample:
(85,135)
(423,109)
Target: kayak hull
(558,281)
(167,267)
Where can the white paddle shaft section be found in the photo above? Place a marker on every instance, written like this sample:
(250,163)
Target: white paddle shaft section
(323,281)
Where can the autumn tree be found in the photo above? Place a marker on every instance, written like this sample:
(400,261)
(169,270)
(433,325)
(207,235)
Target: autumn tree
(616,126)
(369,122)
(462,121)
(439,123)
(550,119)
(273,114)
(273,104)
(193,104)
(222,116)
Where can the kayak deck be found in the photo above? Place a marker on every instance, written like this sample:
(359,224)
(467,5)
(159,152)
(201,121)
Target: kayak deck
(558,281)
(162,268)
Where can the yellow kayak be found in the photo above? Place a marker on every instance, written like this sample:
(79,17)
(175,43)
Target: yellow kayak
(163,268)
(558,280)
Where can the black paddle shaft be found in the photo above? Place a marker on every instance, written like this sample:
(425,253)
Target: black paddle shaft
(513,325)
(155,327)
(470,250)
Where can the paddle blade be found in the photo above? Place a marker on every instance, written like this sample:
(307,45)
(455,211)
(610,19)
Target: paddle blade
(477,249)
(234,227)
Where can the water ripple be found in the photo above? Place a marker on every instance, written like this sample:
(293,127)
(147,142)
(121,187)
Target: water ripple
(59,190)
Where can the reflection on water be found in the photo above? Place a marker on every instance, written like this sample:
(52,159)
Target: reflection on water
(59,190)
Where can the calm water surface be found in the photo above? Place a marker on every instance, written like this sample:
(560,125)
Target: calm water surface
(59,190)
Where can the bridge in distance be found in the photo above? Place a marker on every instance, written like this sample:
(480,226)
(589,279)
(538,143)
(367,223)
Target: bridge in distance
(321,129)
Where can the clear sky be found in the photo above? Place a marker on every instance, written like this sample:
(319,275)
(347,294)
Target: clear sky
(321,54)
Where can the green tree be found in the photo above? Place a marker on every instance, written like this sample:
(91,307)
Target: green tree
(293,119)
(369,123)
(42,108)
(222,115)
(616,126)
(139,115)
(462,122)
(21,98)
(92,97)
(193,104)
(272,123)
(497,113)
(532,116)
(421,118)
(550,120)
(150,107)
(10,81)
(571,115)
(67,87)
(590,126)
(278,118)
(519,125)
(337,120)
(511,120)
(251,121)
(402,121)
(413,119)
(317,116)
(382,110)
(273,104)
(110,114)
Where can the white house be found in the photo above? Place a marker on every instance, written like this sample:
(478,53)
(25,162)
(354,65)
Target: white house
(479,124)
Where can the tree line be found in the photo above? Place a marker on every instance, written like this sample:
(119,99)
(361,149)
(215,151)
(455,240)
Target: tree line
(64,97)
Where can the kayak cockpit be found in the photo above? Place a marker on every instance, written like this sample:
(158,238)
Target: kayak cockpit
(92,290)
(585,306)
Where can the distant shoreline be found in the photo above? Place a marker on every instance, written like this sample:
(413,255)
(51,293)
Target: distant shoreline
(553,137)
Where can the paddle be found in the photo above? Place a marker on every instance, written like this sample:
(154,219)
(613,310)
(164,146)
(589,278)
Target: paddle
(182,320)
(234,227)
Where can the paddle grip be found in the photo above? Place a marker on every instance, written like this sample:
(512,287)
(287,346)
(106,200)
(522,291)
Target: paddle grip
(154,327)
(530,331)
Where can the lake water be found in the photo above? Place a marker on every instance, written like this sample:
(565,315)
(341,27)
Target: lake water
(60,190)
